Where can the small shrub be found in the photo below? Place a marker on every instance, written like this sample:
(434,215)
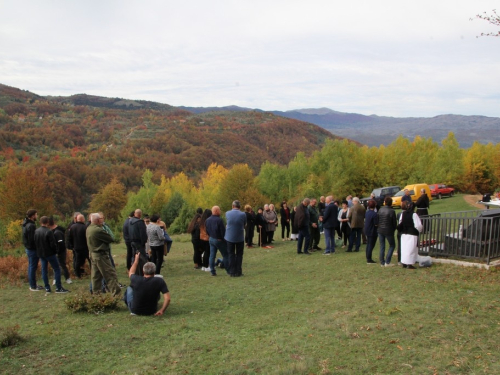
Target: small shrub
(14,232)
(9,336)
(14,269)
(92,303)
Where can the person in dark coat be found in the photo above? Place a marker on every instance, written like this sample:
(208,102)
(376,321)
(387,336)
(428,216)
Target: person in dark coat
(371,224)
(295,230)
(77,240)
(126,238)
(330,224)
(260,225)
(29,228)
(303,223)
(250,228)
(61,248)
(46,249)
(387,224)
(285,221)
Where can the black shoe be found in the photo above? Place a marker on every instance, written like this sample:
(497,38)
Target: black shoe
(307,253)
(317,248)
(356,251)
(370,261)
(213,274)
(348,251)
(300,252)
(411,267)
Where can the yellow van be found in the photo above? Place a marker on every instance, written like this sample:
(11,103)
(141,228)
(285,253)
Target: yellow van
(415,193)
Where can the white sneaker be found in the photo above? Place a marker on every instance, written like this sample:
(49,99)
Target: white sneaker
(203,268)
(54,282)
(68,281)
(207,269)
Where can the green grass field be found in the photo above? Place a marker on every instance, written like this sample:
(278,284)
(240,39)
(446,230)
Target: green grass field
(289,314)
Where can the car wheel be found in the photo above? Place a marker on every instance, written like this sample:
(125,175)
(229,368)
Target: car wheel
(451,194)
(439,196)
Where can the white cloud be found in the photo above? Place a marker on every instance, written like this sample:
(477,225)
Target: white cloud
(386,57)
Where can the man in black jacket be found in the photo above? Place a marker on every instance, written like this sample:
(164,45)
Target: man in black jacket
(61,248)
(46,249)
(137,233)
(126,238)
(29,228)
(77,240)
(386,227)
(330,223)
(303,220)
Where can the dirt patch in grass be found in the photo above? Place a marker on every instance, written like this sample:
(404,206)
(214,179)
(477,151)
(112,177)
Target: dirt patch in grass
(473,199)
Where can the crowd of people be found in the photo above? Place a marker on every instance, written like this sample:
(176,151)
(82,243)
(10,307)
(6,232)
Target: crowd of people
(347,223)
(91,242)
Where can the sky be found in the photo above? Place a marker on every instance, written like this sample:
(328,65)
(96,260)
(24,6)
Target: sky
(389,58)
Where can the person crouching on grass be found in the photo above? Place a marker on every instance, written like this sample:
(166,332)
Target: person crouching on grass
(143,294)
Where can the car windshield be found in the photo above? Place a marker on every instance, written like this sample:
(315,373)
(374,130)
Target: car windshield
(400,193)
(377,192)
(432,187)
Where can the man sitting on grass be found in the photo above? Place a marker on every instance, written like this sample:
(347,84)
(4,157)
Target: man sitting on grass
(143,294)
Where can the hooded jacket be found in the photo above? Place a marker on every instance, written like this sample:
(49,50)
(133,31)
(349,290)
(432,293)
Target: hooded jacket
(29,228)
(137,231)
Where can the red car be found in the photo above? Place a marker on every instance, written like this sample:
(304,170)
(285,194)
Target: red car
(438,190)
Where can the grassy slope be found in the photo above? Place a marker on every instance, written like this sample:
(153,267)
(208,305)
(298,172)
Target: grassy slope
(289,314)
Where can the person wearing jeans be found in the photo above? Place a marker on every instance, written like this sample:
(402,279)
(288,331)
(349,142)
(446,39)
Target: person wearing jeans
(330,223)
(216,231)
(29,228)
(46,249)
(387,224)
(356,218)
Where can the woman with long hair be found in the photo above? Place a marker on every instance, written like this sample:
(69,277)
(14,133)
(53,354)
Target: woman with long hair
(194,229)
(204,237)
(345,228)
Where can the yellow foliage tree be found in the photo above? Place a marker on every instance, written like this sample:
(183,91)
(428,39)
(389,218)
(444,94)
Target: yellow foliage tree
(209,187)
(110,200)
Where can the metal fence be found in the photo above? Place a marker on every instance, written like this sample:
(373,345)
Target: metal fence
(464,234)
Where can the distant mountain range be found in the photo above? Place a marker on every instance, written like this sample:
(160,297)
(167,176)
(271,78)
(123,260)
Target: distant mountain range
(379,130)
(369,130)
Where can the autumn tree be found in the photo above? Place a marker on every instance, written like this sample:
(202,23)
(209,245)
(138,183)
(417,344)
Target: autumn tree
(449,163)
(143,199)
(25,188)
(478,172)
(209,187)
(239,184)
(110,200)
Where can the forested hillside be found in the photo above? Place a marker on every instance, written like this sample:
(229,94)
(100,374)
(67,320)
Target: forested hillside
(79,143)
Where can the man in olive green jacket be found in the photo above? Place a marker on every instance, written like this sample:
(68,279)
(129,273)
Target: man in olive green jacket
(98,241)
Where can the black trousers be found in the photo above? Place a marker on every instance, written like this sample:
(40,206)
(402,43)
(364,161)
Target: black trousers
(249,232)
(130,254)
(285,225)
(235,255)
(315,237)
(81,256)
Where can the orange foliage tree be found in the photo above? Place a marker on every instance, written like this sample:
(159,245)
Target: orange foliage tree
(22,189)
